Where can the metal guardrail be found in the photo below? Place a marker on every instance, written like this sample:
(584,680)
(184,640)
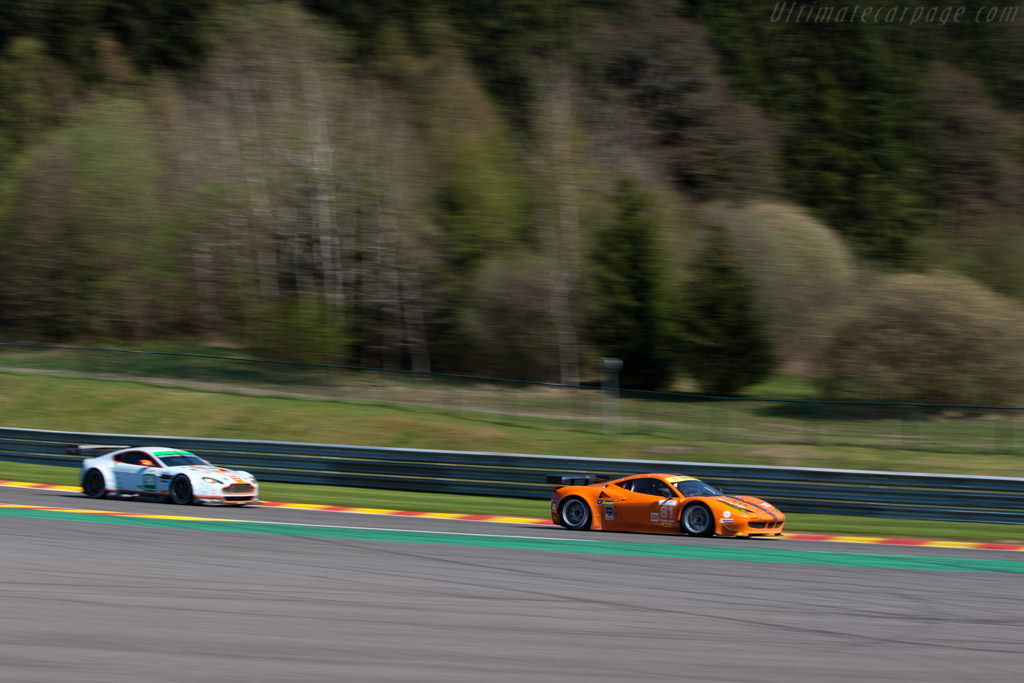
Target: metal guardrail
(793,489)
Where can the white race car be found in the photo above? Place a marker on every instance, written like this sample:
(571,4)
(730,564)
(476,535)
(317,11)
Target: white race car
(170,474)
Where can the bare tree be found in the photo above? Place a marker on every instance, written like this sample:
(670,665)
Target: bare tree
(556,158)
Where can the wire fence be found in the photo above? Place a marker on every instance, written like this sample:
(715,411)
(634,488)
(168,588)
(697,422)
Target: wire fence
(681,417)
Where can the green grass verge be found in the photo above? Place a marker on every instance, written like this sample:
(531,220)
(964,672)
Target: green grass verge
(514,507)
(534,421)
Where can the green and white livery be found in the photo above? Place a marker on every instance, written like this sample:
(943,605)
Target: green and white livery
(156,472)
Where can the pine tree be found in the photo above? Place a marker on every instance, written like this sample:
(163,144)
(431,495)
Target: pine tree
(725,346)
(631,324)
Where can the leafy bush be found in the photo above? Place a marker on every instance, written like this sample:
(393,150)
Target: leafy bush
(508,320)
(34,92)
(932,338)
(802,269)
(85,235)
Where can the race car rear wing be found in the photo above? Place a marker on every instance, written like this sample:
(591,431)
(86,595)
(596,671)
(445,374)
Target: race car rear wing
(90,449)
(577,479)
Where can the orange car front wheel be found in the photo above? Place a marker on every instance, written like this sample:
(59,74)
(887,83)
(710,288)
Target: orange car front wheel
(698,520)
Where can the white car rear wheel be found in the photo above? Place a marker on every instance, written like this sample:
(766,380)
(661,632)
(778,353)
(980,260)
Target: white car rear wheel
(93,484)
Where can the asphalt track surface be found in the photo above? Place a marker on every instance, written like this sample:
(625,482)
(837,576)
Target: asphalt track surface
(93,600)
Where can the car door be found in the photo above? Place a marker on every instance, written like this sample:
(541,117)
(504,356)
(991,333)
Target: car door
(651,506)
(609,505)
(135,472)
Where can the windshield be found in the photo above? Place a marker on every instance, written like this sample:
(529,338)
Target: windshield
(182,459)
(695,487)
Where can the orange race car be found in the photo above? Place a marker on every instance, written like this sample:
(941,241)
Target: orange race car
(659,503)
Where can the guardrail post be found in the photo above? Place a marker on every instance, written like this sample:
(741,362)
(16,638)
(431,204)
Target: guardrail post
(610,368)
(814,419)
(1012,445)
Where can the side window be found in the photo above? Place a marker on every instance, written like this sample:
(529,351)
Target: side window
(664,490)
(653,487)
(645,486)
(130,458)
(137,458)
(628,485)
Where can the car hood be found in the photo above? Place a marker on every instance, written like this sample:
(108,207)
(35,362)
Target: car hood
(210,471)
(749,504)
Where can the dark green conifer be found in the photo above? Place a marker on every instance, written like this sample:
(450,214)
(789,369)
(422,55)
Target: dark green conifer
(724,343)
(631,324)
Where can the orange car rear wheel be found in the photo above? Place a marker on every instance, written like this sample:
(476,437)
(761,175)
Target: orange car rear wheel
(574,514)
(698,520)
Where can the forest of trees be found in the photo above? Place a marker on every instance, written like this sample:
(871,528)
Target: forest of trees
(518,188)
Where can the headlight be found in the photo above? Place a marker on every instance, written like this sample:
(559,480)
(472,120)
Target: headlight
(737,507)
(211,480)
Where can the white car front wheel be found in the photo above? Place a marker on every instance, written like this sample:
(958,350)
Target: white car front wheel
(181,490)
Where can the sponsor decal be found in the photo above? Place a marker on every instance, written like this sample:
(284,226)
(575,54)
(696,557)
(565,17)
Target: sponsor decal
(727,514)
(727,520)
(602,501)
(554,505)
(149,482)
(667,525)
(655,516)
(668,501)
(609,512)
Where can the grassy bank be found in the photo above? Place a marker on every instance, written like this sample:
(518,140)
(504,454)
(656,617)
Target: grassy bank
(525,420)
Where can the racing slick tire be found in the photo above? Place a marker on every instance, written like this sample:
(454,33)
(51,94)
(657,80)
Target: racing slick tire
(698,520)
(181,490)
(574,514)
(94,484)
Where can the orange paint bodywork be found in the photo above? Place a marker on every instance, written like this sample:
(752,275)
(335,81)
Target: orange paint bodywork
(613,507)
